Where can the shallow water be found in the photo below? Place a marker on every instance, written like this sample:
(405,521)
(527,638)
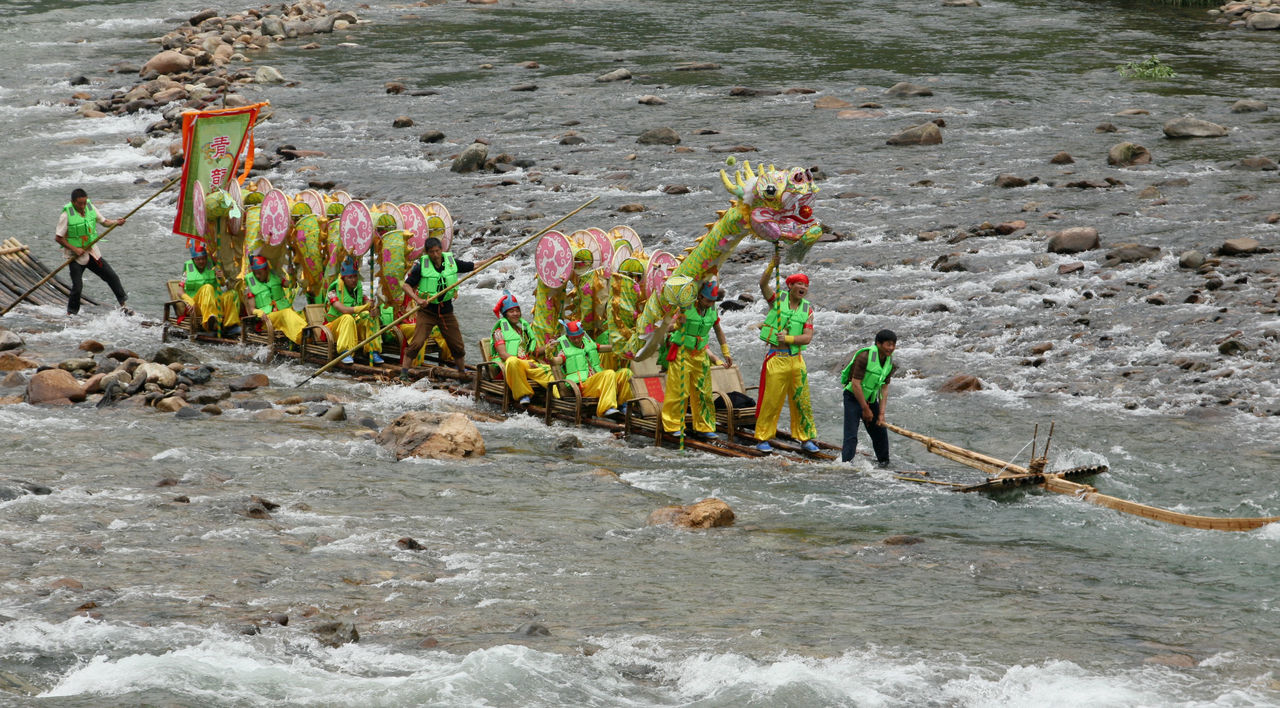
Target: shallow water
(1029,600)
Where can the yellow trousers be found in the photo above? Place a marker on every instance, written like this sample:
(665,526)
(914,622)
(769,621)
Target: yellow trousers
(610,386)
(349,330)
(288,321)
(689,384)
(211,303)
(784,378)
(518,372)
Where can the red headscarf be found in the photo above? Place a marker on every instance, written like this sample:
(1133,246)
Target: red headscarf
(797,278)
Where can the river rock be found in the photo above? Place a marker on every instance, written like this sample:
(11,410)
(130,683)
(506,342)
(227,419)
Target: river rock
(1074,240)
(1062,158)
(167,62)
(706,514)
(903,88)
(83,364)
(402,122)
(471,159)
(923,134)
(249,382)
(1127,155)
(1248,105)
(13,380)
(335,413)
(1131,253)
(335,633)
(650,100)
(170,405)
(1191,260)
(568,441)
(10,340)
(902,540)
(659,136)
(268,75)
(1263,21)
(431,136)
(1257,164)
(615,75)
(432,435)
(53,385)
(960,383)
(1239,247)
(10,361)
(92,346)
(168,355)
(159,374)
(950,263)
(1188,127)
(831,102)
(1008,181)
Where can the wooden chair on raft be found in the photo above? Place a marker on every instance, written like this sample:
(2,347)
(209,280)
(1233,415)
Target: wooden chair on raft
(648,391)
(489,379)
(725,381)
(260,331)
(177,314)
(317,341)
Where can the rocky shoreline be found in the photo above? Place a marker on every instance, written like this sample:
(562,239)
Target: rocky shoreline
(1256,15)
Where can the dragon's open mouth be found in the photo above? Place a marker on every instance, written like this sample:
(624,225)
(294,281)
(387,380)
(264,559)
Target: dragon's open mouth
(790,225)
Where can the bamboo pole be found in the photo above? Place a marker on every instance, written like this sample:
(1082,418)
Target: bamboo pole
(461,280)
(89,245)
(976,460)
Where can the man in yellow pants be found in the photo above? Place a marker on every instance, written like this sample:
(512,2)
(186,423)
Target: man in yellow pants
(689,368)
(266,298)
(348,314)
(787,330)
(581,360)
(220,311)
(514,348)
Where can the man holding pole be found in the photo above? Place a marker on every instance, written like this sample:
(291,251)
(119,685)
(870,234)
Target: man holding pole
(866,390)
(435,274)
(787,330)
(76,232)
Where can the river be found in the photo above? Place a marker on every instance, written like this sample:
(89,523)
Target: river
(113,593)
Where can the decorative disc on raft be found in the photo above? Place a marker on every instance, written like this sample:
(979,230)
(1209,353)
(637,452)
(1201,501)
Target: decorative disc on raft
(661,265)
(441,223)
(198,212)
(625,233)
(606,250)
(356,228)
(553,259)
(276,222)
(621,252)
(394,211)
(342,197)
(415,222)
(312,199)
(262,186)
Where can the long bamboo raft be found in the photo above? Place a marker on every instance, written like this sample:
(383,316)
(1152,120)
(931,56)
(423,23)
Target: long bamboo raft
(1006,475)
(20,271)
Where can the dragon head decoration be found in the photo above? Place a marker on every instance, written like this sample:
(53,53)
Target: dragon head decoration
(780,202)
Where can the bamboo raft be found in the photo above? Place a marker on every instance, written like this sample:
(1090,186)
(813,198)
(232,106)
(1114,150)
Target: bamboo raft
(1004,476)
(20,271)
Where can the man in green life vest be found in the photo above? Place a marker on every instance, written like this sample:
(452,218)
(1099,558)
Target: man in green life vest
(579,355)
(435,274)
(219,311)
(866,390)
(76,232)
(787,330)
(689,368)
(515,349)
(348,315)
(265,297)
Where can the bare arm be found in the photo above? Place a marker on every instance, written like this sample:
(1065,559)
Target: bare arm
(765,288)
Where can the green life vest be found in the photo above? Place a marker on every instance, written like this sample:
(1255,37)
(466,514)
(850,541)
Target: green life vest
(81,230)
(349,299)
(877,372)
(197,278)
(693,333)
(783,320)
(268,296)
(433,281)
(579,362)
(524,339)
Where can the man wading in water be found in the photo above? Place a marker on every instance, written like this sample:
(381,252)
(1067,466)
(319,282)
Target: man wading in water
(866,391)
(77,229)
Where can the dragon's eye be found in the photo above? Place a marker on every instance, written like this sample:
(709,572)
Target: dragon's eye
(770,191)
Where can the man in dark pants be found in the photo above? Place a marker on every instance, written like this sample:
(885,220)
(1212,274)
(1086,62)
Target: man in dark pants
(435,272)
(76,231)
(866,390)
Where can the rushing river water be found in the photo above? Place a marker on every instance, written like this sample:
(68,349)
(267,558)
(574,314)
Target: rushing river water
(1035,600)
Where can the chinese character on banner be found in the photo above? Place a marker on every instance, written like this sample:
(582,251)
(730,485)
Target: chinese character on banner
(217,148)
(216,176)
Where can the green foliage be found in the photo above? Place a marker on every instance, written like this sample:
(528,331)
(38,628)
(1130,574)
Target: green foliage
(1149,68)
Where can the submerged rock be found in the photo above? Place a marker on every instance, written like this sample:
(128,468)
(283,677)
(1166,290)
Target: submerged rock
(1074,240)
(471,159)
(432,435)
(1188,127)
(706,514)
(923,134)
(960,383)
(659,136)
(1127,155)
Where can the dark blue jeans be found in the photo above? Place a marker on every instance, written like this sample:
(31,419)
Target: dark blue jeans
(100,268)
(852,417)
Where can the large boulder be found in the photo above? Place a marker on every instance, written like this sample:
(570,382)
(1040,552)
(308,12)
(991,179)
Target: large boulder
(1188,127)
(268,75)
(1242,246)
(168,62)
(1263,21)
(706,514)
(923,134)
(159,374)
(12,362)
(10,340)
(471,159)
(1074,240)
(53,385)
(432,435)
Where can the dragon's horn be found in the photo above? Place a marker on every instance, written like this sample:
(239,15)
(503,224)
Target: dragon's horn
(733,189)
(772,168)
(747,164)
